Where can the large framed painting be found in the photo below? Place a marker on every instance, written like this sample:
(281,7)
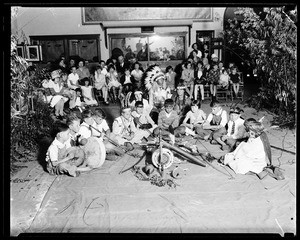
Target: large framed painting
(96,15)
(156,47)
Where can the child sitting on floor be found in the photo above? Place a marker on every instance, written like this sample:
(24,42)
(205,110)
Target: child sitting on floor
(92,146)
(196,118)
(60,157)
(142,119)
(235,132)
(125,131)
(249,156)
(168,121)
(214,126)
(100,128)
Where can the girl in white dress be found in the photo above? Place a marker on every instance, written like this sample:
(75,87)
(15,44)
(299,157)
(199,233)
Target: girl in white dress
(250,156)
(100,83)
(113,83)
(87,93)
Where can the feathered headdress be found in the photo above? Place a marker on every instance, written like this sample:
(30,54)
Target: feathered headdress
(152,75)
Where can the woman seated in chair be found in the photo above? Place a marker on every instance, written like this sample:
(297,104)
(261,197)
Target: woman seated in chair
(56,96)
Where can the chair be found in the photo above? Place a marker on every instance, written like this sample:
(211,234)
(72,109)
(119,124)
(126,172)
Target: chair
(221,93)
(206,91)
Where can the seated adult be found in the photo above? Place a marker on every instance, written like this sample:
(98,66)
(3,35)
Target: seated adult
(55,97)
(82,71)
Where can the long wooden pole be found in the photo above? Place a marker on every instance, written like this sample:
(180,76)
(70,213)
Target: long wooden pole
(184,153)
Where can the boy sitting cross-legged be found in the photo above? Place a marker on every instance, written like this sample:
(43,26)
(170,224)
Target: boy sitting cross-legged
(61,158)
(168,121)
(124,130)
(93,146)
(196,118)
(100,128)
(142,119)
(235,132)
(214,126)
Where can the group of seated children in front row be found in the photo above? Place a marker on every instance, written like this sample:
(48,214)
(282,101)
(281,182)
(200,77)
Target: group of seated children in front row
(84,144)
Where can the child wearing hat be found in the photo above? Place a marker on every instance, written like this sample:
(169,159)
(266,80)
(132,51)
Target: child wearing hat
(214,126)
(235,132)
(56,98)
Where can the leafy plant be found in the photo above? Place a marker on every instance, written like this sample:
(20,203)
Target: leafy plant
(269,42)
(27,126)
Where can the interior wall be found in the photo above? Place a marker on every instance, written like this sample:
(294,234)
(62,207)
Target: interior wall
(68,21)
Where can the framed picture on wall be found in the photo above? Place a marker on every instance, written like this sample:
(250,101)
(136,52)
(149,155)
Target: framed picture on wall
(154,47)
(33,53)
(21,51)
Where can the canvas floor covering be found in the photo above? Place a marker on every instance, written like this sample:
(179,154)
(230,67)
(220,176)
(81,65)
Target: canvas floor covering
(206,201)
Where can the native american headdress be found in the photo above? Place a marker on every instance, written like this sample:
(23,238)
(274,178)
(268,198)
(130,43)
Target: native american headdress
(151,76)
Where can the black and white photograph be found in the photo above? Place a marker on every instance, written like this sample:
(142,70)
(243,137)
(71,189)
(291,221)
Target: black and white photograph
(152,119)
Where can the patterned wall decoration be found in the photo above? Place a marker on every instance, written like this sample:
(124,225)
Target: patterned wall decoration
(96,15)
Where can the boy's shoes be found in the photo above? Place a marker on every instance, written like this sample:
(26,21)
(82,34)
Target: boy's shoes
(213,142)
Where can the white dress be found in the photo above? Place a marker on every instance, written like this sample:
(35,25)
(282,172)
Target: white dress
(248,156)
(100,80)
(53,100)
(112,80)
(87,93)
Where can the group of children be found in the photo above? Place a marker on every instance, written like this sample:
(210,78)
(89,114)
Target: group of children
(84,143)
